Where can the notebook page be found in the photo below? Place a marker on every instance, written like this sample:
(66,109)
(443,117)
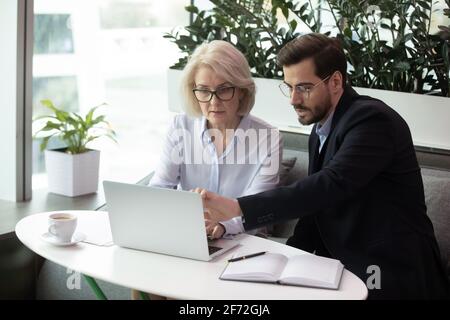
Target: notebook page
(312,270)
(266,267)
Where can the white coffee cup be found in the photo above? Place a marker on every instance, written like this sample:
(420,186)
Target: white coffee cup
(62,226)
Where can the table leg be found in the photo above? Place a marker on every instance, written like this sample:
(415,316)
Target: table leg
(94,286)
(139,295)
(144,295)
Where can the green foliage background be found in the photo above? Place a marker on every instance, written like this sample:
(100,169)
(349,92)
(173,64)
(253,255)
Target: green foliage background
(410,60)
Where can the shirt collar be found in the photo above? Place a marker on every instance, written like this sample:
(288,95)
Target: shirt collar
(244,125)
(324,129)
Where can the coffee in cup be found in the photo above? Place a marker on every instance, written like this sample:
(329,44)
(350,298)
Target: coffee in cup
(62,226)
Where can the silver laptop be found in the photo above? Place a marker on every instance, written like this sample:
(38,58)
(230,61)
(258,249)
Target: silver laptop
(160,220)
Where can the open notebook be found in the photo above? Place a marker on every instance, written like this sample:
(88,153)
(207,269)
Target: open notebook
(301,270)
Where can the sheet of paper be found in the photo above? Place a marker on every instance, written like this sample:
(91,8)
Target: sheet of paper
(96,228)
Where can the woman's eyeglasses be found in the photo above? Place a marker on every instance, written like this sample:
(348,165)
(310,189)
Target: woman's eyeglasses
(224,94)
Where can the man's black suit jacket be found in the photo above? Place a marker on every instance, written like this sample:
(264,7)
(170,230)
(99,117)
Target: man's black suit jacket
(363,203)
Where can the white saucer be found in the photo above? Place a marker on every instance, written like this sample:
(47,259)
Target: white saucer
(49,238)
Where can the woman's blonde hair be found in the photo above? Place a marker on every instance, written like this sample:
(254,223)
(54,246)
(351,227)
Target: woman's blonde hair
(227,62)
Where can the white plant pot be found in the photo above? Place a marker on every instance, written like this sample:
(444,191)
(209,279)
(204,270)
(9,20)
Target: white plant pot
(72,174)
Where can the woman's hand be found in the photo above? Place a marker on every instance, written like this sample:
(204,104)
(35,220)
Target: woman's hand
(214,229)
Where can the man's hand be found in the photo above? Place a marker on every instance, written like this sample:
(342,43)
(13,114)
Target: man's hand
(214,229)
(218,208)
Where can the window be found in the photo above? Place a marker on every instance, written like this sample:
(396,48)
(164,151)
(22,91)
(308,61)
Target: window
(113,51)
(57,37)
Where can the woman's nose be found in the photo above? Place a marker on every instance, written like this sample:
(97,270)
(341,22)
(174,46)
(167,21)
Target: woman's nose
(214,99)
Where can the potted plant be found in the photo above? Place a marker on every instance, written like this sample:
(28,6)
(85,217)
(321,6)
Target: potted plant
(388,44)
(72,170)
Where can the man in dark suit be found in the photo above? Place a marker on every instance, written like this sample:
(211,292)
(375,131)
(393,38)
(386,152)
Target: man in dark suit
(363,201)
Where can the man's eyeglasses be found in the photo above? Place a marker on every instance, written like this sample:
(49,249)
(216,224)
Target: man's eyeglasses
(224,94)
(301,89)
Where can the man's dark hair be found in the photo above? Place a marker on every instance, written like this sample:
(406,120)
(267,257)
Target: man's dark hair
(326,53)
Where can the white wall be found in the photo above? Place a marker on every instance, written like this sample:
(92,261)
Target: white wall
(8,100)
(426,116)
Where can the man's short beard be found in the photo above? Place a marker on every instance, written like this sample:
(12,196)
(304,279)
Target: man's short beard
(307,123)
(316,117)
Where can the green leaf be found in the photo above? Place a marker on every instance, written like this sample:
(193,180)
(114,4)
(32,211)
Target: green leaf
(90,114)
(402,66)
(408,37)
(48,103)
(422,14)
(77,117)
(73,121)
(52,126)
(112,137)
(373,44)
(60,114)
(69,134)
(445,55)
(424,5)
(348,32)
(45,141)
(293,24)
(191,9)
(99,119)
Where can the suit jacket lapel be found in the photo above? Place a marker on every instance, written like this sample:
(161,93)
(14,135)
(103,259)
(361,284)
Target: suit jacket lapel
(346,100)
(344,103)
(313,150)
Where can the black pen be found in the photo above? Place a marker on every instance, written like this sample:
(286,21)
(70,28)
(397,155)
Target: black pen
(247,256)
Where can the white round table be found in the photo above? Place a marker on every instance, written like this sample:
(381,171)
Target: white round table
(174,277)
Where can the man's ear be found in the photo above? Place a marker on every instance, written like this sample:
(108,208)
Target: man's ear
(337,81)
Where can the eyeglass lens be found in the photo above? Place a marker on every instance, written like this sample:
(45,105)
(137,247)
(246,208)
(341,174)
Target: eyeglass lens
(224,94)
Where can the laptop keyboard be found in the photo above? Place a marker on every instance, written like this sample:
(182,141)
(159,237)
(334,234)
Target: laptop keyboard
(213,249)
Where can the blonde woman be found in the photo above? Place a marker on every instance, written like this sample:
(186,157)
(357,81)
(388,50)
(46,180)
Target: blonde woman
(216,144)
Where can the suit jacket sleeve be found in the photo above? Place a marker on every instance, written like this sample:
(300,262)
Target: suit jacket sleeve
(366,149)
